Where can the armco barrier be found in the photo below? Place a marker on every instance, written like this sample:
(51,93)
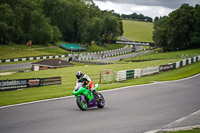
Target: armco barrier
(129,74)
(150,70)
(136,73)
(62,56)
(166,67)
(121,75)
(187,61)
(177,64)
(195,59)
(181,63)
(192,60)
(174,66)
(184,62)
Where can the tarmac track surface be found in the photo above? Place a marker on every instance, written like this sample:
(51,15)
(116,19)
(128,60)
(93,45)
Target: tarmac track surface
(129,110)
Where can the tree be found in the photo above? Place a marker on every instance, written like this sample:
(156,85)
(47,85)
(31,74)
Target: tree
(40,31)
(56,34)
(45,21)
(181,22)
(111,27)
(180,30)
(195,34)
(137,17)
(92,31)
(156,18)
(159,34)
(6,23)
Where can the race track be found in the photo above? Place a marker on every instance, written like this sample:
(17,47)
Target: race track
(128,110)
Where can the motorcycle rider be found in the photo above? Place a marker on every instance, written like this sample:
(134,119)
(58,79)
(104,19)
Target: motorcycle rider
(85,79)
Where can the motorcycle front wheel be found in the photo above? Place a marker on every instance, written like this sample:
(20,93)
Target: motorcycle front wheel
(82,104)
(101,102)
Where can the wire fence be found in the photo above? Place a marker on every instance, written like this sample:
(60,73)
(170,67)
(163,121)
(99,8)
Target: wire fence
(105,76)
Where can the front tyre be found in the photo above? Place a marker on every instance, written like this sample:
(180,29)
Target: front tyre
(101,102)
(82,104)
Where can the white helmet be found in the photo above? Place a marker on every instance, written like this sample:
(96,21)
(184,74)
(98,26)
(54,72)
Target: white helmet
(79,74)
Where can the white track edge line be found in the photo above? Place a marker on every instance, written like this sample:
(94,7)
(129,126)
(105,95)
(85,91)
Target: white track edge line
(174,129)
(52,99)
(177,128)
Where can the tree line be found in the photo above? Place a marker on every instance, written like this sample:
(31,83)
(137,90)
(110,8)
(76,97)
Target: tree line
(179,30)
(48,21)
(137,17)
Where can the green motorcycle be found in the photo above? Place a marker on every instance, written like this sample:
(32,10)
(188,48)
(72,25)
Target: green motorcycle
(86,99)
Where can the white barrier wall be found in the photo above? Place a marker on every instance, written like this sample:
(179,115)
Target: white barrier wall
(150,70)
(184,62)
(189,61)
(121,75)
(178,64)
(137,73)
(194,59)
(8,60)
(124,75)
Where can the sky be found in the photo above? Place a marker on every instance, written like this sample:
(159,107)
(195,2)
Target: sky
(151,8)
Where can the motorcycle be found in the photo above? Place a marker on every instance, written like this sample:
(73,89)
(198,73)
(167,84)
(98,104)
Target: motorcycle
(86,99)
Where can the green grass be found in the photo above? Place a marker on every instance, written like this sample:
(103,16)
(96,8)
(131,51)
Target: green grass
(155,55)
(19,51)
(138,31)
(68,80)
(96,48)
(186,131)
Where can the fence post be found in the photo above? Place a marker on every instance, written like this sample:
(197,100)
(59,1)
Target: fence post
(100,78)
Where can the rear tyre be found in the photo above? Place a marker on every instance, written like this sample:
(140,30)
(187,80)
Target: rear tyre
(101,102)
(81,104)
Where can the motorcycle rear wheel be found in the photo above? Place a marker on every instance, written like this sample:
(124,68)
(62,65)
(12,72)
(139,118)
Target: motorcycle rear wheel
(81,104)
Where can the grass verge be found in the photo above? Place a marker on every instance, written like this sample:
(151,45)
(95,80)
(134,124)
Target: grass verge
(96,48)
(138,31)
(167,55)
(186,131)
(19,51)
(68,81)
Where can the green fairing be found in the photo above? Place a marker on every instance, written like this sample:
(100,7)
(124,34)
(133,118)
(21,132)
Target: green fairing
(85,92)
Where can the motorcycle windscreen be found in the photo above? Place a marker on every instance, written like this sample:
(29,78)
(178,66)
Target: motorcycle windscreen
(96,86)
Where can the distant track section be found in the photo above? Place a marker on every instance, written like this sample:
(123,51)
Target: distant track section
(136,43)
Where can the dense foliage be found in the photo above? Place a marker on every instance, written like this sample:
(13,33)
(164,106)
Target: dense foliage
(47,21)
(137,17)
(179,30)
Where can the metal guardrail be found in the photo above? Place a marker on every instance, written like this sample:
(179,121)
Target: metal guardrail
(91,62)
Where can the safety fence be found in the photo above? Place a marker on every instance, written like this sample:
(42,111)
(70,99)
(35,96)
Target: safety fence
(105,76)
(27,83)
(136,73)
(93,62)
